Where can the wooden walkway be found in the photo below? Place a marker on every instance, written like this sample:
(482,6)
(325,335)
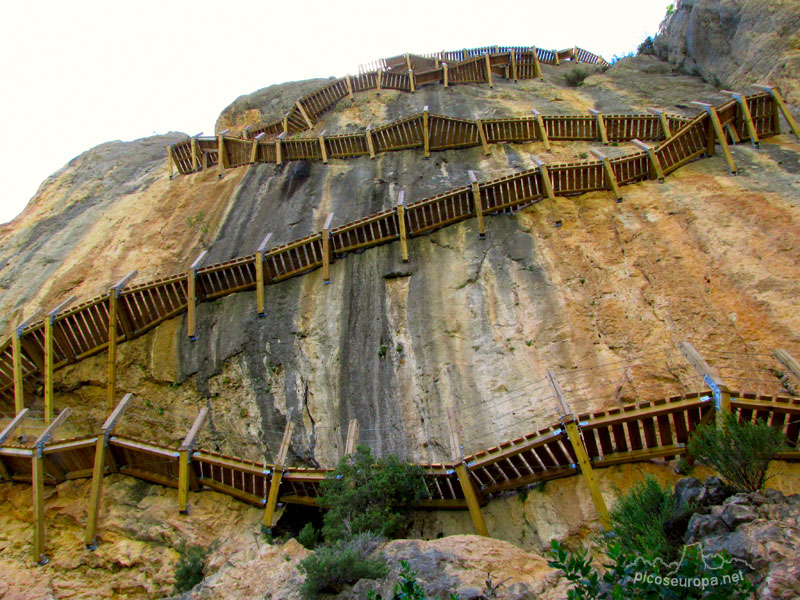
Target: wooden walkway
(69,334)
(406,73)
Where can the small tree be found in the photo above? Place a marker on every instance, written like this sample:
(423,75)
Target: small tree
(639,517)
(740,452)
(366,495)
(190,568)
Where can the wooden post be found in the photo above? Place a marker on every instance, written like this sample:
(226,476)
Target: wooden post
(401,225)
(576,440)
(113,299)
(601,126)
(278,141)
(303,112)
(426,132)
(611,178)
(254,149)
(277,475)
(349,86)
(326,250)
(664,122)
(486,150)
(12,426)
(733,133)
(380,75)
(260,274)
(169,159)
(352,438)
(285,124)
(542,130)
(408,61)
(191,296)
(537,68)
(656,172)
(555,54)
(19,389)
(716,127)
(747,116)
(488,70)
(222,158)
(446,75)
(575,54)
(322,148)
(514,65)
(781,105)
(787,360)
(412,82)
(37,478)
(370,145)
(185,475)
(722,395)
(99,468)
(195,164)
(49,358)
(546,182)
(471,495)
(476,203)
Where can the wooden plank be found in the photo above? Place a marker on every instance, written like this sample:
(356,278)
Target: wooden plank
(601,126)
(719,134)
(486,150)
(220,154)
(656,172)
(303,112)
(232,491)
(327,255)
(476,203)
(12,426)
(788,361)
(662,117)
(195,165)
(611,178)
(352,437)
(576,440)
(471,496)
(401,225)
(542,130)
(426,132)
(277,475)
(781,105)
(380,76)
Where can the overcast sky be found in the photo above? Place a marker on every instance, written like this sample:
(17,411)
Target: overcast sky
(77,74)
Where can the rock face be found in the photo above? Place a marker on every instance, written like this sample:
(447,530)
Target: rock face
(735,42)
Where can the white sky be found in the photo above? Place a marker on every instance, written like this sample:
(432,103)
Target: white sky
(76,74)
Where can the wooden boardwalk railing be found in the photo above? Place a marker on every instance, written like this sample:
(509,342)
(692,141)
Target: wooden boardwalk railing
(84,330)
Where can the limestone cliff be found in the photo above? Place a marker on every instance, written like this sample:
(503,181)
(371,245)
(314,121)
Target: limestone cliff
(735,43)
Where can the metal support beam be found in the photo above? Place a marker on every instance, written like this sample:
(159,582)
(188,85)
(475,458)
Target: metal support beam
(719,389)
(476,203)
(656,172)
(191,296)
(471,495)
(89,537)
(327,255)
(578,447)
(788,361)
(277,475)
(37,479)
(184,452)
(611,178)
(426,132)
(715,131)
(542,130)
(601,126)
(664,122)
(781,105)
(352,437)
(260,274)
(401,225)
(482,135)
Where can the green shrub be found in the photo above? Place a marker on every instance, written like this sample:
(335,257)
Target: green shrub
(308,536)
(576,76)
(190,567)
(740,452)
(364,495)
(638,519)
(627,576)
(335,566)
(646,47)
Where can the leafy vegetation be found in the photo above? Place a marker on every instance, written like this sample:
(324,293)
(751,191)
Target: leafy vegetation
(333,567)
(308,536)
(639,518)
(576,76)
(363,494)
(646,47)
(190,568)
(740,452)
